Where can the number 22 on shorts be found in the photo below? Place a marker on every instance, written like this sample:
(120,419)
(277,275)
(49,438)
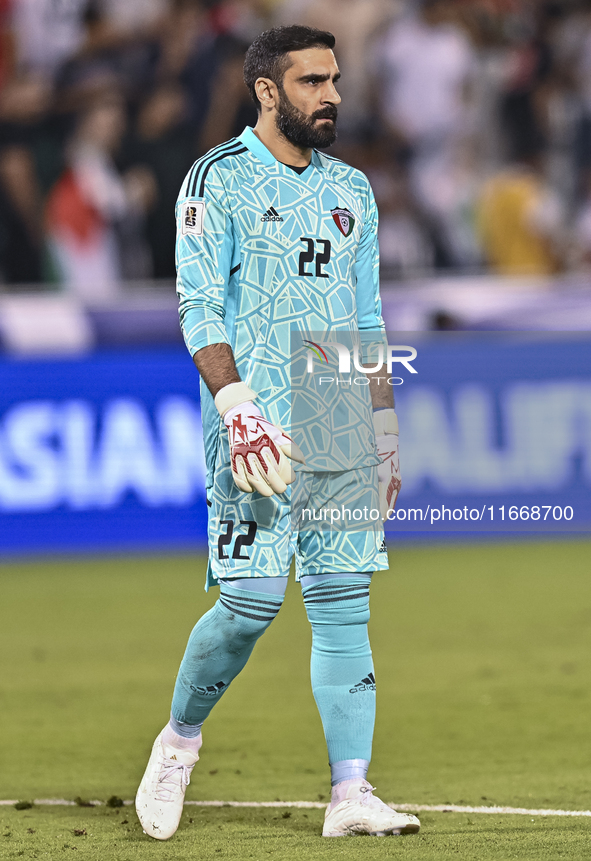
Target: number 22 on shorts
(241,542)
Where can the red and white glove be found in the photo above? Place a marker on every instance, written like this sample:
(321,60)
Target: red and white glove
(260,452)
(385,424)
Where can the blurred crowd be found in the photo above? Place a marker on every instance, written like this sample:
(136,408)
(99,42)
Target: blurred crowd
(472,119)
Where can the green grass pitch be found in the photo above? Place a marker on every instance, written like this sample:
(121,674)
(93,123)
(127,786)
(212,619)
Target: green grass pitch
(482,656)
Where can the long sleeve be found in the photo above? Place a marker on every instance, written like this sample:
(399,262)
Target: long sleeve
(367,271)
(204,249)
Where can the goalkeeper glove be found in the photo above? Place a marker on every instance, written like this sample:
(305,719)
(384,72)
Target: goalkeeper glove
(385,424)
(260,453)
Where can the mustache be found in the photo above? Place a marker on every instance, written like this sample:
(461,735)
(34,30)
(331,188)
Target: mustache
(328,113)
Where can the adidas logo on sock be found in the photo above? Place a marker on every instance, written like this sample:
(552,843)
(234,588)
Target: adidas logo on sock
(210,690)
(271,215)
(368,684)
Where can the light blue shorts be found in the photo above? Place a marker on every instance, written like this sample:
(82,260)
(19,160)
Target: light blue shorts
(328,520)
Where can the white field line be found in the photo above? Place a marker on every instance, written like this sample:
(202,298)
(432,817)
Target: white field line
(413,808)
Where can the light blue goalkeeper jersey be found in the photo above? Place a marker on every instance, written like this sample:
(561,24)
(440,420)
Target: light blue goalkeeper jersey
(263,252)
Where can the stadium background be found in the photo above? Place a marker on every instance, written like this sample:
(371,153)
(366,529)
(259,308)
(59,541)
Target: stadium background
(472,119)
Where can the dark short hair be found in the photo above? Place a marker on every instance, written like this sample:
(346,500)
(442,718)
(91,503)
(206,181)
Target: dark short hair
(267,56)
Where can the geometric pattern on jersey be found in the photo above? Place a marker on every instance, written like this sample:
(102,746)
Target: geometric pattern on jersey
(332,413)
(254,536)
(249,277)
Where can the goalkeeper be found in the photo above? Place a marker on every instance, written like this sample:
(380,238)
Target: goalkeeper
(276,240)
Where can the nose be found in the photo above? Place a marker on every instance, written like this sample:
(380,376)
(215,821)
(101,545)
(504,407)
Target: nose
(331,96)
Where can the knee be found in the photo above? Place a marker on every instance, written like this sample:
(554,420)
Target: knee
(245,618)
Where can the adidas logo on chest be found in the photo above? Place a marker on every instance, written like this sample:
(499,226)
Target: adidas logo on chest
(271,215)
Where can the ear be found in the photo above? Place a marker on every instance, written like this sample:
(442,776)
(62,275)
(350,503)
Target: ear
(267,93)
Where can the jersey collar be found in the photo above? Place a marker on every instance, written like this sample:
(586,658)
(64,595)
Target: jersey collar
(258,148)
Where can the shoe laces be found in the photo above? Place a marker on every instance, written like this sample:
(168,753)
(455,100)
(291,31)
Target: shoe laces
(173,775)
(368,798)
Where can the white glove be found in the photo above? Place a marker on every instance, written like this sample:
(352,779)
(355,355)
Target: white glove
(260,452)
(385,424)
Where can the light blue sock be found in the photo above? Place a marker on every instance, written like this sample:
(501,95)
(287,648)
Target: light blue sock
(219,647)
(341,669)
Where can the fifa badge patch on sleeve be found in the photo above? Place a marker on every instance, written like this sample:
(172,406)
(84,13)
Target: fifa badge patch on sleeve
(193,215)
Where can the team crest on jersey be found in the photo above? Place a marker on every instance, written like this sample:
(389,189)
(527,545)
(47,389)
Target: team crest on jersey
(192,218)
(344,220)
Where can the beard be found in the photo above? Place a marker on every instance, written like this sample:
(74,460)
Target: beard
(301,129)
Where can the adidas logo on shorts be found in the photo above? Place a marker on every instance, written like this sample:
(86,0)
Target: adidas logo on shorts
(271,215)
(368,684)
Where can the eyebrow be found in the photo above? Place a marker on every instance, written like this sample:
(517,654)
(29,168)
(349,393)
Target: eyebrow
(312,77)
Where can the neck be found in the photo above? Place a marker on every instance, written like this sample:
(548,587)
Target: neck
(285,151)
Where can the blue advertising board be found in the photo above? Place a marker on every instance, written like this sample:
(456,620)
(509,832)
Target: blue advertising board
(105,452)
(101,452)
(496,433)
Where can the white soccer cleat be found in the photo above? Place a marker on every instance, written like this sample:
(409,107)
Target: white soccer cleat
(360,812)
(159,800)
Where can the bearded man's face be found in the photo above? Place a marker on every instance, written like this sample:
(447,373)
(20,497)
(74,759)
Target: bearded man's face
(305,130)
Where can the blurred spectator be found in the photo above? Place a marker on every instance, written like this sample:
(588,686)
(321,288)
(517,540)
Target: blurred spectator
(48,32)
(23,103)
(354,23)
(559,100)
(186,32)
(162,142)
(133,17)
(209,65)
(90,201)
(426,72)
(406,248)
(230,105)
(577,39)
(523,101)
(522,221)
(243,19)
(105,104)
(427,64)
(108,59)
